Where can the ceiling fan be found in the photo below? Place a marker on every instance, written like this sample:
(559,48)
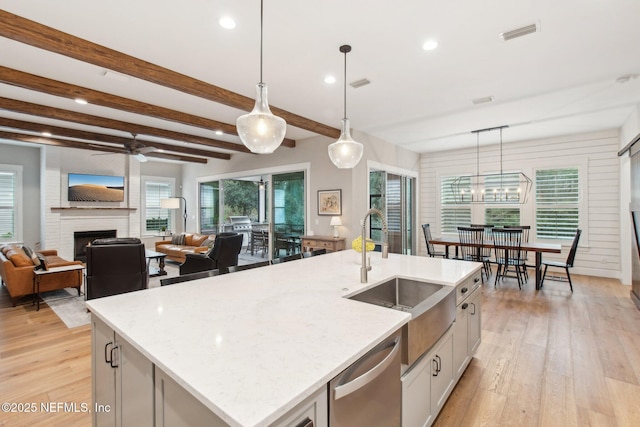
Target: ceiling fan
(134,148)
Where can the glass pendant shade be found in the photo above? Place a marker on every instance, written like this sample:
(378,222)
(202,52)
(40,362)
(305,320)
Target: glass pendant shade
(345,153)
(260,130)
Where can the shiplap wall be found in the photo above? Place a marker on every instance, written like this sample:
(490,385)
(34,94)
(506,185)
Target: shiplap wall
(599,250)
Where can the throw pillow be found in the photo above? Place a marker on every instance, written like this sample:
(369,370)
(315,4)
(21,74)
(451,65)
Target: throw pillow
(43,262)
(178,239)
(19,258)
(34,257)
(208,242)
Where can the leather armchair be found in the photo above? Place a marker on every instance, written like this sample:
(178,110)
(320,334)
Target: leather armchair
(223,255)
(115,266)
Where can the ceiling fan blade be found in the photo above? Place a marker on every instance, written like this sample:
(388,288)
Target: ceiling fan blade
(145,150)
(140,157)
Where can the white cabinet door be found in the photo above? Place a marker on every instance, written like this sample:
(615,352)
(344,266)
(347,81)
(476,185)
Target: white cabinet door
(461,340)
(122,381)
(442,376)
(416,395)
(475,323)
(104,375)
(135,392)
(313,409)
(175,406)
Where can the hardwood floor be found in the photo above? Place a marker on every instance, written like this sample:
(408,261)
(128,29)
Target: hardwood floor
(547,358)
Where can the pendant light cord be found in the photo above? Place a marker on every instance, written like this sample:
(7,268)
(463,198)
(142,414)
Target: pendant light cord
(345,85)
(261,30)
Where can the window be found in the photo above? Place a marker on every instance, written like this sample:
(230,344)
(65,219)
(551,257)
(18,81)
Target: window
(502,217)
(156,218)
(452,215)
(557,203)
(10,198)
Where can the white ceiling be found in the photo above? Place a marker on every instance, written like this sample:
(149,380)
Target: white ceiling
(561,80)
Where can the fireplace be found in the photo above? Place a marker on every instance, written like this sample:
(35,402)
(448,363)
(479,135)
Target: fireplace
(82,238)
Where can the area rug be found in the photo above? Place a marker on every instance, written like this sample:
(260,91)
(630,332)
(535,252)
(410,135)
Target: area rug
(71,308)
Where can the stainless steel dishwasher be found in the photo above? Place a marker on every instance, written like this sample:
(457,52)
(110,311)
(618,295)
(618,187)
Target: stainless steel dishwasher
(369,392)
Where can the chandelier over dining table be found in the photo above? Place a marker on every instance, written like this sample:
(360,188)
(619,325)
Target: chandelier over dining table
(511,187)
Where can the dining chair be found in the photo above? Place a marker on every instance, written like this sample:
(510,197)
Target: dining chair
(431,250)
(286,258)
(188,277)
(259,241)
(243,267)
(566,265)
(524,254)
(507,246)
(471,241)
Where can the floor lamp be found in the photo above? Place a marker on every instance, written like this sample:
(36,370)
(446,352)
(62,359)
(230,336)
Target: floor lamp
(174,203)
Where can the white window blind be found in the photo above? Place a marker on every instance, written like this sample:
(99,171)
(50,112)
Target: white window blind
(156,217)
(452,215)
(557,203)
(8,192)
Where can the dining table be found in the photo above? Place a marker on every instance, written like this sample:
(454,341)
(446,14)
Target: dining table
(536,247)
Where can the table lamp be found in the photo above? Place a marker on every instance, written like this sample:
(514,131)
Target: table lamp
(335,223)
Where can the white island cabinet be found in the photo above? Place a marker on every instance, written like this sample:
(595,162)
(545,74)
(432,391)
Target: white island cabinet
(255,348)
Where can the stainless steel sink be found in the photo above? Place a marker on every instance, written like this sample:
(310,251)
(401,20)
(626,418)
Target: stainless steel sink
(432,308)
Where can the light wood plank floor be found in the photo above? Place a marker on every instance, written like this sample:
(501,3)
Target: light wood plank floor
(547,358)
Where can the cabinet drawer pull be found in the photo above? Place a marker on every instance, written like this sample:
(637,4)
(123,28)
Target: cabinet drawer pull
(476,280)
(107,353)
(464,290)
(464,306)
(111,362)
(307,422)
(474,308)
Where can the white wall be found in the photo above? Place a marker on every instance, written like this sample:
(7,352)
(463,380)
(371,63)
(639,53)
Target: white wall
(599,250)
(323,175)
(29,158)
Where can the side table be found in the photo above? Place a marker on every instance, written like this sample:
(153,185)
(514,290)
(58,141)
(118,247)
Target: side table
(38,274)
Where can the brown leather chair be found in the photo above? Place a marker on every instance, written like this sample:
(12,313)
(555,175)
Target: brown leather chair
(115,266)
(223,255)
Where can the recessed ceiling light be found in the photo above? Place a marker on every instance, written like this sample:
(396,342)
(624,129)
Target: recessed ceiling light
(483,100)
(47,134)
(430,45)
(519,32)
(81,101)
(227,23)
(330,80)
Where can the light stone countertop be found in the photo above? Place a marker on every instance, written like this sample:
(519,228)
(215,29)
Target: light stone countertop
(253,344)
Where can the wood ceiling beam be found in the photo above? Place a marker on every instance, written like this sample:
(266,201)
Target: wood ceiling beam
(23,30)
(41,140)
(66,90)
(110,139)
(87,119)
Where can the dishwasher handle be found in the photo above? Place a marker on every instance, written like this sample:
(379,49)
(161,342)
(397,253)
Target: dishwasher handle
(343,390)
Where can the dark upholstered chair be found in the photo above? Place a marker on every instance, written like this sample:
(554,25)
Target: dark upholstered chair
(566,265)
(115,266)
(223,255)
(235,268)
(188,277)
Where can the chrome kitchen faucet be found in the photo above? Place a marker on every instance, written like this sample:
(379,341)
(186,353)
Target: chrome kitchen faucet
(385,245)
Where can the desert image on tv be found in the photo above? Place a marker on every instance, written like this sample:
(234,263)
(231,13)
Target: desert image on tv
(92,193)
(95,188)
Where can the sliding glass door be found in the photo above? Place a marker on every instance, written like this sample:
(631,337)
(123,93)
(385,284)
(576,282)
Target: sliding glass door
(288,212)
(393,195)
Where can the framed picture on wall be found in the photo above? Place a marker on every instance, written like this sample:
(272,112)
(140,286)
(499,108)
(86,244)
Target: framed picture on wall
(330,202)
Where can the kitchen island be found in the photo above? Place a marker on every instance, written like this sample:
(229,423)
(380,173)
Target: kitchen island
(251,346)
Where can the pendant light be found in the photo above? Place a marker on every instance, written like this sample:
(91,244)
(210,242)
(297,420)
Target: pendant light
(491,188)
(260,130)
(345,153)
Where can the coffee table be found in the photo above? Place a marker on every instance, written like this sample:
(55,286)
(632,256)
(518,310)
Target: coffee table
(153,272)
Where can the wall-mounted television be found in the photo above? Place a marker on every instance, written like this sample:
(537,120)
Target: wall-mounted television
(95,188)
